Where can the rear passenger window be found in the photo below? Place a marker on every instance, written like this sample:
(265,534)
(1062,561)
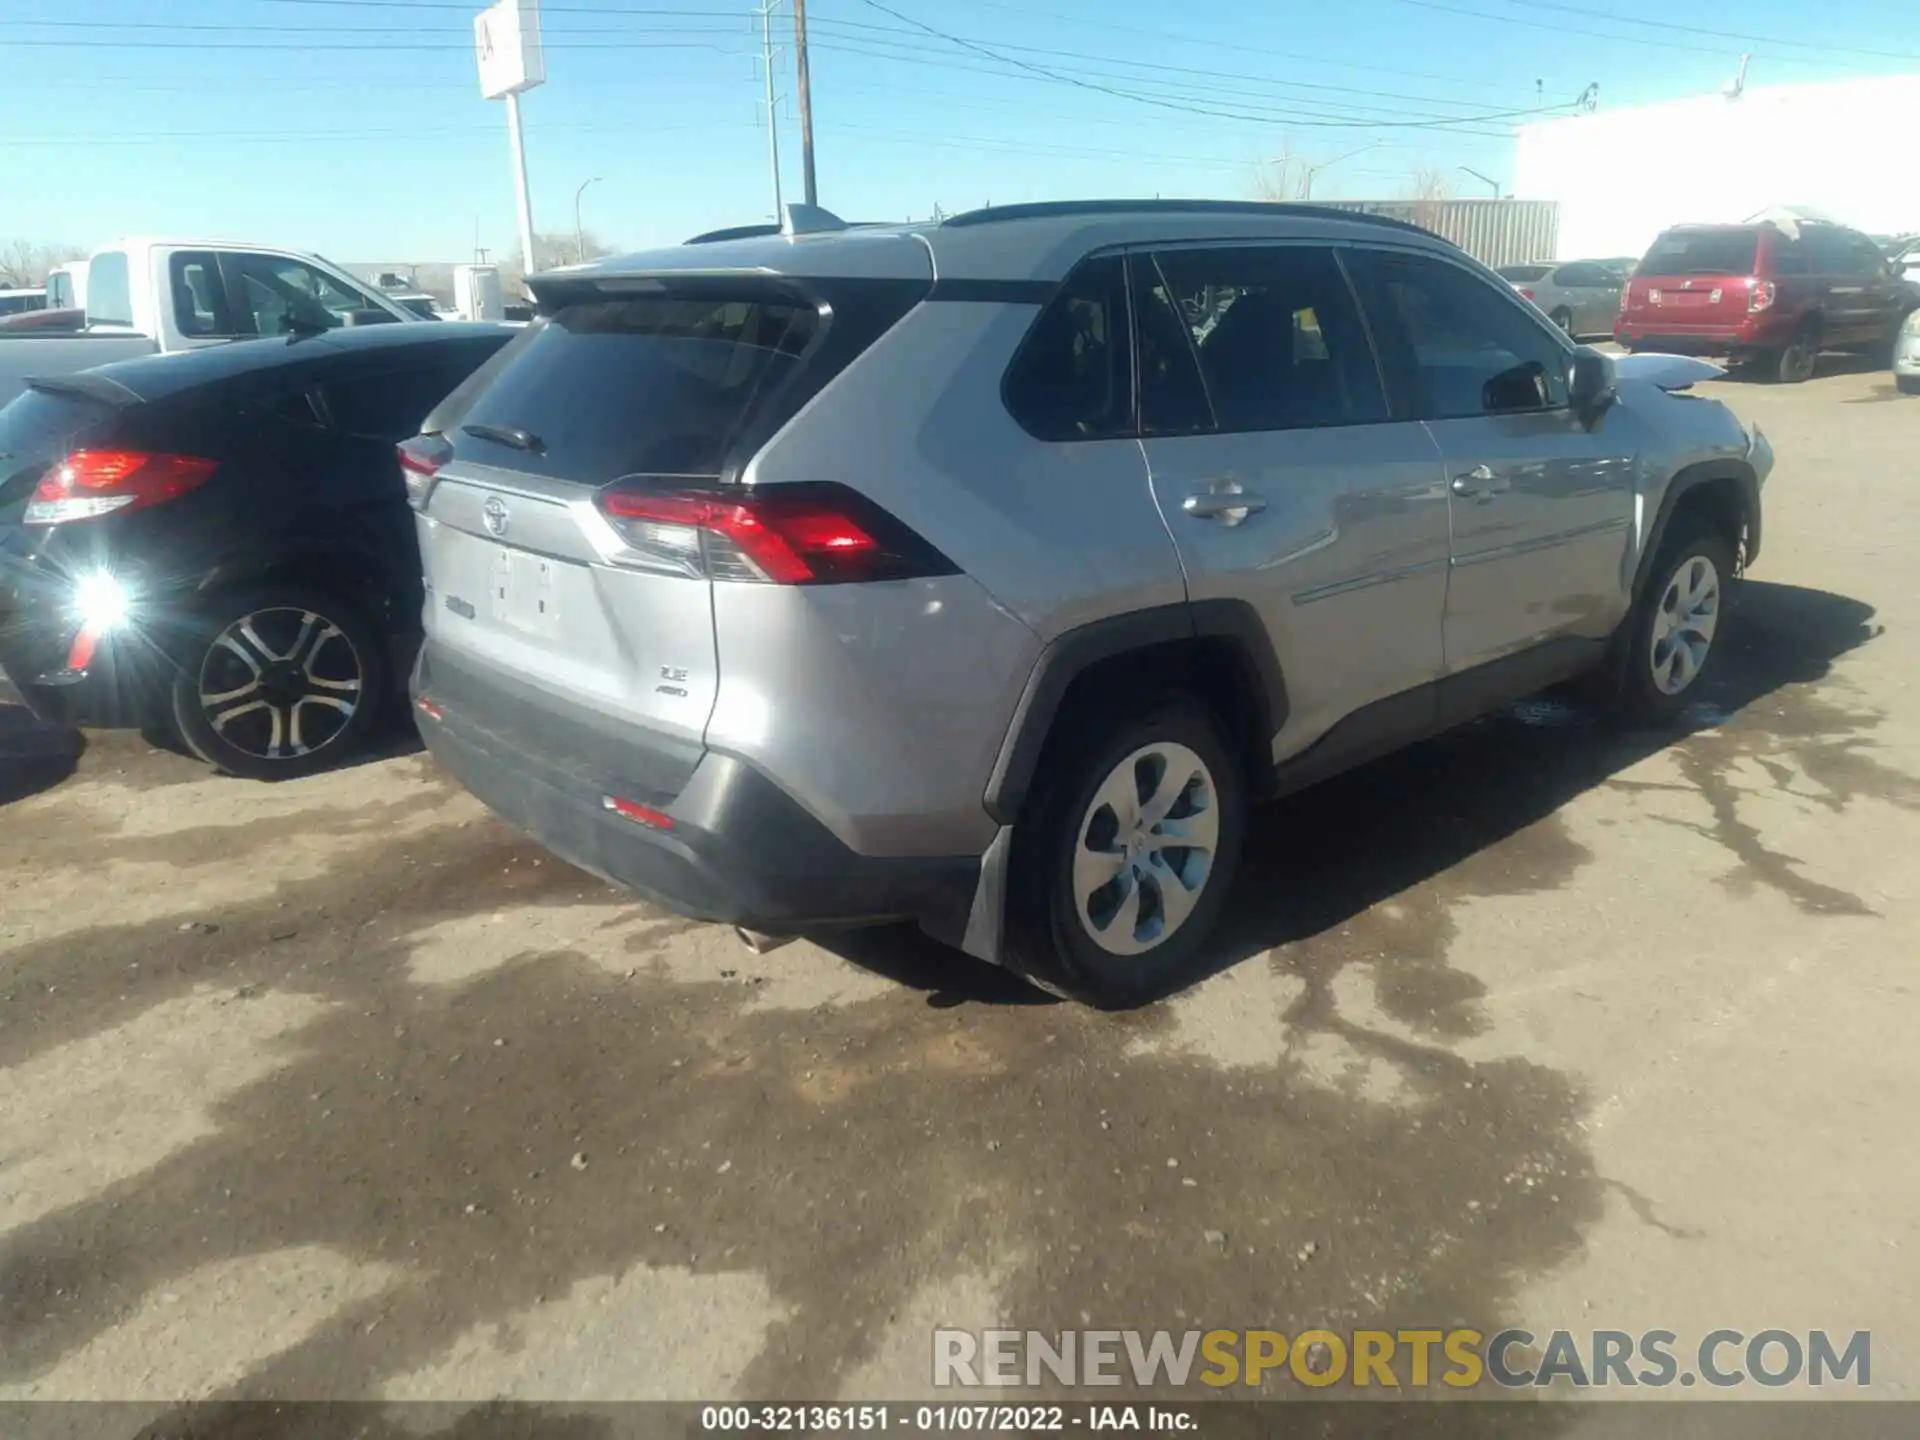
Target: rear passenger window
(1276,335)
(1453,345)
(199,297)
(1072,378)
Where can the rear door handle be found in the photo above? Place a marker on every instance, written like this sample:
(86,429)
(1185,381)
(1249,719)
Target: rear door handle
(1225,501)
(1479,483)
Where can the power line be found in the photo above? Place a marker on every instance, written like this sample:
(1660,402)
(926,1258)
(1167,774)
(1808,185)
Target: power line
(1647,40)
(1714,32)
(1067,79)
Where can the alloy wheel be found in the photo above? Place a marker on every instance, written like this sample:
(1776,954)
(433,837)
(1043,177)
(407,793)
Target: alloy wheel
(281,682)
(1145,848)
(1684,625)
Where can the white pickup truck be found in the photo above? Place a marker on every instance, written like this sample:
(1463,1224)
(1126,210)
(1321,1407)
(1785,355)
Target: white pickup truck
(146,296)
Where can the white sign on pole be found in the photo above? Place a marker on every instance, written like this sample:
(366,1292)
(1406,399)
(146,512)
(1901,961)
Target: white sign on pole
(506,42)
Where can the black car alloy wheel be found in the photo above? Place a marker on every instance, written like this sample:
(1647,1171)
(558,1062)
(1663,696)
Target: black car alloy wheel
(280,683)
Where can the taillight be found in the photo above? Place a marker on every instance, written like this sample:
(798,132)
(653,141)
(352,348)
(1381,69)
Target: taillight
(1626,296)
(90,483)
(1525,294)
(422,458)
(805,534)
(1760,296)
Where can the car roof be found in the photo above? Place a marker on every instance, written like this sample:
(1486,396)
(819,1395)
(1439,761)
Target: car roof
(154,377)
(1039,242)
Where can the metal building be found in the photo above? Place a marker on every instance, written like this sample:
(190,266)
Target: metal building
(1841,148)
(1494,232)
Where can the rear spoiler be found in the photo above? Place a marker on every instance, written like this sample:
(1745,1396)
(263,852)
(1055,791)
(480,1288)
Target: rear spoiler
(87,387)
(1669,372)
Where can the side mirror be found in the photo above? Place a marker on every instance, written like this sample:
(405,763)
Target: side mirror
(367,317)
(1521,387)
(1590,384)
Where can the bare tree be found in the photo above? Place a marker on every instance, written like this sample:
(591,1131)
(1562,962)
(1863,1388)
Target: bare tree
(24,264)
(551,249)
(1428,188)
(1280,178)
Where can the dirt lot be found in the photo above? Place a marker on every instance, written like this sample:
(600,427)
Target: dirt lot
(339,1088)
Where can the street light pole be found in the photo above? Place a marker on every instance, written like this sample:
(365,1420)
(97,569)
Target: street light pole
(1483,179)
(1306,187)
(579,231)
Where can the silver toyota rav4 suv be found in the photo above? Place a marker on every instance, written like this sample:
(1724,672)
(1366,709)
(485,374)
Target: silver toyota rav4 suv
(984,573)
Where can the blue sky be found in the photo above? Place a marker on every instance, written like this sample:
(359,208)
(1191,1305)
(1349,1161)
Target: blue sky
(356,127)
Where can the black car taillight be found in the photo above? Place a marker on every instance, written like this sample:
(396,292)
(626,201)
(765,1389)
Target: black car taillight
(803,534)
(90,483)
(422,458)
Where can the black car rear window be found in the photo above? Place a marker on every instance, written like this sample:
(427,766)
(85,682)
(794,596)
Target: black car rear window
(1703,252)
(644,384)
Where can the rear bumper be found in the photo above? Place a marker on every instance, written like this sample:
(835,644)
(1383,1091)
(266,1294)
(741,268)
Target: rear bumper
(738,849)
(1757,332)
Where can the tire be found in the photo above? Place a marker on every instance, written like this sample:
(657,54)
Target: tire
(1794,364)
(1563,317)
(1071,934)
(1659,674)
(279,682)
(1907,384)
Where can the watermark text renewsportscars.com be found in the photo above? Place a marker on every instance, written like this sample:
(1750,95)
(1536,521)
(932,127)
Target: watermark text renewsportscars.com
(1410,1359)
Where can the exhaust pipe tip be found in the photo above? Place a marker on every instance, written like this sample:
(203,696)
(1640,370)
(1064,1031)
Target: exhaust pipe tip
(759,942)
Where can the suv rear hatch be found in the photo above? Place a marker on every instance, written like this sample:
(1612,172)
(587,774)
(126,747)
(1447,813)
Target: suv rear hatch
(579,498)
(1697,278)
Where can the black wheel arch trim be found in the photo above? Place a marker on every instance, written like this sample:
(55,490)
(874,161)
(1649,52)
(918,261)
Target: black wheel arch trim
(1705,472)
(1071,654)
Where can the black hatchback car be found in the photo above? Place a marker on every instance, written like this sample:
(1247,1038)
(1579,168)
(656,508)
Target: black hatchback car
(219,542)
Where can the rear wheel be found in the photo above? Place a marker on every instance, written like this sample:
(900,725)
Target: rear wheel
(1128,857)
(1563,317)
(1907,384)
(279,683)
(1794,364)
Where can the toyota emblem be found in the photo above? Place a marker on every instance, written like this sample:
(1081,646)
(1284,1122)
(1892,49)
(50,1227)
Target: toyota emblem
(494,512)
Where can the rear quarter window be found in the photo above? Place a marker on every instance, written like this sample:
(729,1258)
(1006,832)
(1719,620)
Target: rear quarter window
(628,385)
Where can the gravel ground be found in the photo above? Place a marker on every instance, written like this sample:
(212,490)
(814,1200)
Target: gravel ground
(341,1089)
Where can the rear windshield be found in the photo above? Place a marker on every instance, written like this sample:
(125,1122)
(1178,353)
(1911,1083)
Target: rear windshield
(1524,273)
(1702,252)
(638,385)
(37,429)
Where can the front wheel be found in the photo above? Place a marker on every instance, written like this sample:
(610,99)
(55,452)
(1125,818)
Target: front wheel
(279,683)
(1672,634)
(1563,317)
(1129,856)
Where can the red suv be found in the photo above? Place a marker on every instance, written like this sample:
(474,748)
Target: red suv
(1768,297)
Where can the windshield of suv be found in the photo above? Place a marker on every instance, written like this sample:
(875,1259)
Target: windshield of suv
(1702,252)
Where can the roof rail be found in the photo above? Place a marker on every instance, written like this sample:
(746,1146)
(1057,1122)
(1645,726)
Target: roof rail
(1049,209)
(733,232)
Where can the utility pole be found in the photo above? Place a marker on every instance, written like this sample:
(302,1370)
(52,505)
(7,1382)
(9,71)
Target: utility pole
(1483,179)
(806,101)
(773,132)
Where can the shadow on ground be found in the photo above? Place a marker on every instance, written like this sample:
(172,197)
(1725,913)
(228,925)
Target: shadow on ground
(830,1182)
(34,756)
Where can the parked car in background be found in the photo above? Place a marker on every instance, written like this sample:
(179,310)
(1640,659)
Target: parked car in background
(66,321)
(165,296)
(1905,258)
(789,584)
(1906,356)
(1770,296)
(1582,297)
(220,541)
(19,302)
